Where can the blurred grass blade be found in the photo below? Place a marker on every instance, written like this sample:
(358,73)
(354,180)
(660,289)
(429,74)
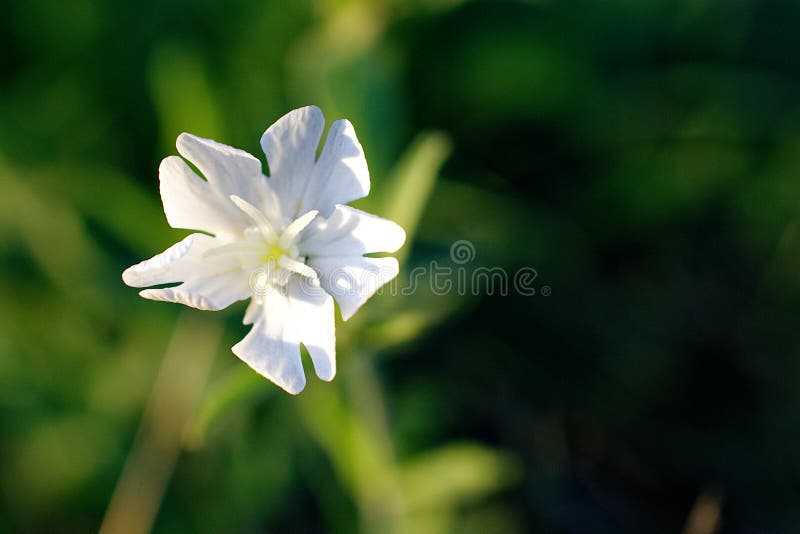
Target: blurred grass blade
(155,450)
(357,454)
(130,212)
(411,183)
(183,95)
(454,475)
(320,51)
(238,387)
(407,318)
(58,241)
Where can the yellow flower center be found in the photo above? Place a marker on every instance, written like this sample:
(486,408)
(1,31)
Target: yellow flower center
(272,253)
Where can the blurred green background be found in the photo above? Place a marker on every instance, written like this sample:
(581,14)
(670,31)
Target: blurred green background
(642,156)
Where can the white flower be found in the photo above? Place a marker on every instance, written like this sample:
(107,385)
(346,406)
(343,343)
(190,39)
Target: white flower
(287,242)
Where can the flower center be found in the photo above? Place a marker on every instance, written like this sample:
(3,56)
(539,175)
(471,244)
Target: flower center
(273,253)
(271,257)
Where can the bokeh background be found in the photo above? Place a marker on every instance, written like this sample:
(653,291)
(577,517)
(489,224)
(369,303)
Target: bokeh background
(642,156)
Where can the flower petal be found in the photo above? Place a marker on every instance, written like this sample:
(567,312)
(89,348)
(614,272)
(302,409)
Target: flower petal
(340,175)
(291,147)
(272,346)
(207,283)
(312,309)
(351,281)
(211,293)
(191,203)
(160,269)
(351,232)
(230,171)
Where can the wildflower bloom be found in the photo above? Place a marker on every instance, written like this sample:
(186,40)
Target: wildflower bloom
(288,241)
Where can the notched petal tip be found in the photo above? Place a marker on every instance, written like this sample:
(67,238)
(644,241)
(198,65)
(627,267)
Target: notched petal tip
(395,236)
(362,277)
(171,163)
(129,277)
(302,115)
(183,138)
(194,147)
(325,374)
(293,387)
(347,314)
(311,108)
(402,233)
(252,313)
(295,391)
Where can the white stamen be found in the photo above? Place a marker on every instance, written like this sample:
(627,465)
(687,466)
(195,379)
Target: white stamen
(297,267)
(297,226)
(257,217)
